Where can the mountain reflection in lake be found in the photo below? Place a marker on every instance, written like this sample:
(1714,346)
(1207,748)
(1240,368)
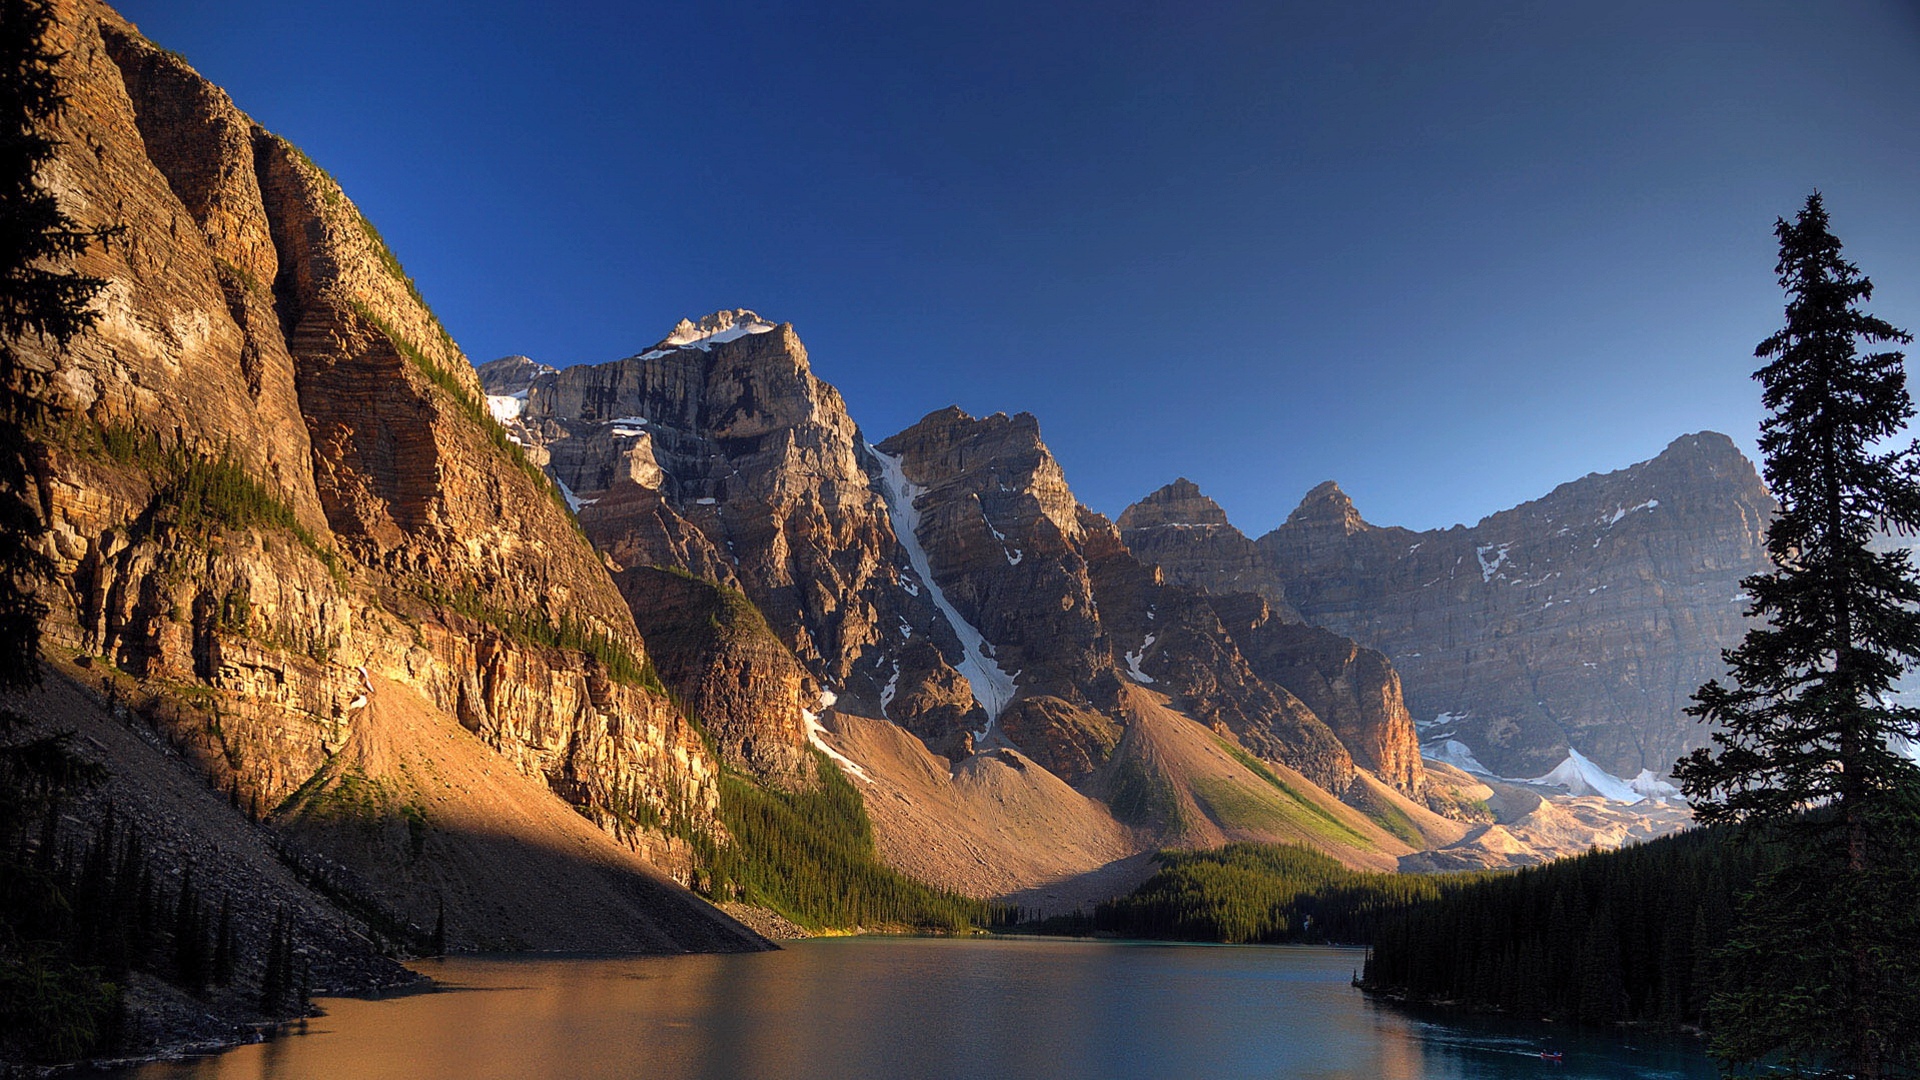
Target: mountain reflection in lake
(894,1008)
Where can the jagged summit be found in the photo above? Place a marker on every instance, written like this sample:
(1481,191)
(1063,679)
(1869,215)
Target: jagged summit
(1703,444)
(511,375)
(1180,503)
(1326,505)
(721,326)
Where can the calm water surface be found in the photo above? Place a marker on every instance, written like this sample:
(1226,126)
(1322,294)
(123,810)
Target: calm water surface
(894,1008)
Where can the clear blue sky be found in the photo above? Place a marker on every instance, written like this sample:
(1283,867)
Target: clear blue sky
(1448,254)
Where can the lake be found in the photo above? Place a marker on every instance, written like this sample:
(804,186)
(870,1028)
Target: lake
(893,1008)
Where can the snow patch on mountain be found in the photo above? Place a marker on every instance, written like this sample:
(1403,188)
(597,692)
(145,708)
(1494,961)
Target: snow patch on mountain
(1653,787)
(992,687)
(888,691)
(1488,567)
(1133,662)
(574,502)
(1455,753)
(816,738)
(1580,776)
(506,408)
(717,328)
(1620,512)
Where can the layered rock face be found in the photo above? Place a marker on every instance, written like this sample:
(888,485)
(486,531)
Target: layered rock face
(718,453)
(273,473)
(1584,619)
(730,670)
(1353,689)
(1187,535)
(1064,610)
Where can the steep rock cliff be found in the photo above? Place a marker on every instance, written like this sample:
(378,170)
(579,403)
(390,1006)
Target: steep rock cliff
(718,453)
(1354,690)
(1585,618)
(272,477)
(1065,612)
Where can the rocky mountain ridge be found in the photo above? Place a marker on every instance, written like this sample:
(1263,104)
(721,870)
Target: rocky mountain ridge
(944,579)
(1582,620)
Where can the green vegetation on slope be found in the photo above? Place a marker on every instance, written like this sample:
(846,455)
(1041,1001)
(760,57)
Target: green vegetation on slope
(810,856)
(464,400)
(1300,808)
(203,492)
(534,627)
(1266,893)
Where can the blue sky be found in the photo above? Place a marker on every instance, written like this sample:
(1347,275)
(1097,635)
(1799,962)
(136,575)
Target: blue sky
(1448,254)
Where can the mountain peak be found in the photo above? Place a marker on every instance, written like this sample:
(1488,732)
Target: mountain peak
(1703,444)
(1178,503)
(721,326)
(1326,504)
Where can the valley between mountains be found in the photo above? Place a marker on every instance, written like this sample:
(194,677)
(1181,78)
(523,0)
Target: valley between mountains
(408,642)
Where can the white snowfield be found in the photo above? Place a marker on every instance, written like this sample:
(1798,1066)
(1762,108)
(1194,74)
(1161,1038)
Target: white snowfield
(703,339)
(574,502)
(814,733)
(1582,777)
(506,407)
(992,687)
(1455,753)
(692,336)
(1578,774)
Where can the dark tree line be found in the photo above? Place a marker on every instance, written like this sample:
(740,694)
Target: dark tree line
(49,1002)
(1628,935)
(81,920)
(1257,893)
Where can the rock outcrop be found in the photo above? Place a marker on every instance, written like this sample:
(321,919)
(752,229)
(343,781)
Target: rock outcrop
(728,668)
(945,579)
(1065,612)
(1187,535)
(1354,690)
(273,478)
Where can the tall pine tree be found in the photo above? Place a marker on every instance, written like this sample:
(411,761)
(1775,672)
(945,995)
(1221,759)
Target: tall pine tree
(1821,974)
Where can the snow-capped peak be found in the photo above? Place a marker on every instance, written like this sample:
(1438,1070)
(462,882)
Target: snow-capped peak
(721,326)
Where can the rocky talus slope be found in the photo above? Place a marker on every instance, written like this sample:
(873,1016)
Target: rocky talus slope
(1583,619)
(273,484)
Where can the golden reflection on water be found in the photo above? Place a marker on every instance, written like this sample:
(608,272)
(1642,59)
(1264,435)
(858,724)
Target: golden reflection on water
(875,1008)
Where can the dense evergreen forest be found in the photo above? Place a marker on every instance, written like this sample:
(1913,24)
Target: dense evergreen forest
(1604,937)
(1258,893)
(810,856)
